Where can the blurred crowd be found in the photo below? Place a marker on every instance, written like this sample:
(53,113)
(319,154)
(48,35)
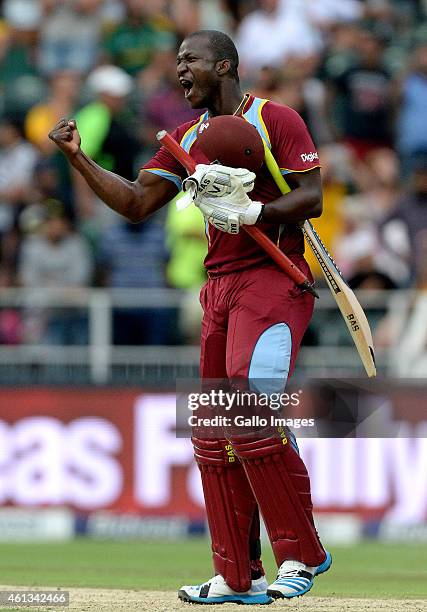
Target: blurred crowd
(356,70)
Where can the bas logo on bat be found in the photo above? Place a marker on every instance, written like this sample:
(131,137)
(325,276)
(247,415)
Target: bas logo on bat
(353,322)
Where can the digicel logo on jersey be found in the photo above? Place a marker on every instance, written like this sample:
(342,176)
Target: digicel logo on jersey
(309,157)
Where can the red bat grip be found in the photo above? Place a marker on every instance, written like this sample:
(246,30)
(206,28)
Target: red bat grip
(177,151)
(275,253)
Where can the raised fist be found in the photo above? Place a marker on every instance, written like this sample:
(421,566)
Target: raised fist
(66,136)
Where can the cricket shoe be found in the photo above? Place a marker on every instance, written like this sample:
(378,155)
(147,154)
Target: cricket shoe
(217,591)
(295,578)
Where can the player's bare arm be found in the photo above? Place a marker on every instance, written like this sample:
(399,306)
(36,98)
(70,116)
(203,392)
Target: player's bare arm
(134,200)
(303,202)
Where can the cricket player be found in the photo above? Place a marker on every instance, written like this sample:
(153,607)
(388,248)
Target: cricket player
(254,317)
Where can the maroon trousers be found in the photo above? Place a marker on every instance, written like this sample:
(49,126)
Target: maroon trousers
(252,328)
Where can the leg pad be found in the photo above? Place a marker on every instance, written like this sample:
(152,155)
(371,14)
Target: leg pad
(232,513)
(281,485)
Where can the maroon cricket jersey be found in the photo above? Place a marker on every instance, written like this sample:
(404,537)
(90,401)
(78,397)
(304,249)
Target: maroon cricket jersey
(287,136)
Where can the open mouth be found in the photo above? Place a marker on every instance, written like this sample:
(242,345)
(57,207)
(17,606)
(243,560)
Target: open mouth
(187,86)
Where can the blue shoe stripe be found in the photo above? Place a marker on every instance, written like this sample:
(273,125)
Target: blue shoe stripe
(298,581)
(299,584)
(297,593)
(308,587)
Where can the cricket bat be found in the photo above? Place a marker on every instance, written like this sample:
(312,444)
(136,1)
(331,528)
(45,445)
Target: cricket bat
(350,308)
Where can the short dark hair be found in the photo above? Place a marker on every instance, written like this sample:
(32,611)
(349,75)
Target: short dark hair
(222,47)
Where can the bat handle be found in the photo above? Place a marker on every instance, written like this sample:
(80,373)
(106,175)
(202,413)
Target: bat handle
(275,253)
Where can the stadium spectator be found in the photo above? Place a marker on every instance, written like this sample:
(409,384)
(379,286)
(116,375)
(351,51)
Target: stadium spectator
(188,14)
(236,10)
(411,134)
(186,242)
(362,91)
(69,35)
(48,184)
(133,43)
(213,14)
(11,325)
(105,129)
(330,12)
(298,87)
(55,256)
(17,60)
(17,162)
(269,35)
(373,193)
(64,90)
(191,15)
(336,163)
(134,256)
(361,249)
(24,15)
(409,220)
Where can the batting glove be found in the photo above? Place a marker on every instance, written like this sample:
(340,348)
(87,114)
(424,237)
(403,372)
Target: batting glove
(214,181)
(229,213)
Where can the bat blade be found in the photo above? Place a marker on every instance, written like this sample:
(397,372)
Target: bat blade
(347,302)
(350,308)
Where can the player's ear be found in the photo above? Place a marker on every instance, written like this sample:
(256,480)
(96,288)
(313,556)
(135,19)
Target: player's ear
(222,67)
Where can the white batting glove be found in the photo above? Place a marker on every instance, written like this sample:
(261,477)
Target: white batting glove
(214,180)
(229,213)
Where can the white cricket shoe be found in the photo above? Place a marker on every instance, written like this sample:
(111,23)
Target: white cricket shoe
(295,578)
(216,590)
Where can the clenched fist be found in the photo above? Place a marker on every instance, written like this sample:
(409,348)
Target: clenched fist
(66,136)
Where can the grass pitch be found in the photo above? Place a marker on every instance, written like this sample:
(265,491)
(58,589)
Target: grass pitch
(368,571)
